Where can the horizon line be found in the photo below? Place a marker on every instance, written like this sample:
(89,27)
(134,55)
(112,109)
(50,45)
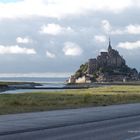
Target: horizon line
(37,74)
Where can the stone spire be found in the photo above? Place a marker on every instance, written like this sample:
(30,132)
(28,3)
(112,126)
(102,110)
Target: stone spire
(109,46)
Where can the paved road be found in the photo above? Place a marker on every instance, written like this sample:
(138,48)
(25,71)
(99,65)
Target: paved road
(118,122)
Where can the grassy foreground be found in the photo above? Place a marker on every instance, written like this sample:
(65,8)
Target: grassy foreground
(43,101)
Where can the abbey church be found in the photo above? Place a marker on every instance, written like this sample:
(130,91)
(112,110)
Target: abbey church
(109,66)
(111,59)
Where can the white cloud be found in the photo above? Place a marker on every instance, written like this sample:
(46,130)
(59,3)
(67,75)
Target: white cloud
(50,55)
(100,38)
(15,50)
(55,29)
(129,29)
(129,45)
(72,49)
(103,50)
(105,24)
(109,30)
(133,29)
(60,8)
(25,40)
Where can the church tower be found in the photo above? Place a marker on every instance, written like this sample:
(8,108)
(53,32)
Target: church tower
(109,46)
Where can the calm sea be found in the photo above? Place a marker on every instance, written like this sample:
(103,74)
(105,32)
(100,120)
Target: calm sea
(35,79)
(45,81)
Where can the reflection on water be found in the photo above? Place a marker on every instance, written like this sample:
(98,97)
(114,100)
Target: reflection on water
(17,91)
(46,82)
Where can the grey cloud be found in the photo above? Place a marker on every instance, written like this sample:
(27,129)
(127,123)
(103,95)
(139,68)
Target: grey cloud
(85,27)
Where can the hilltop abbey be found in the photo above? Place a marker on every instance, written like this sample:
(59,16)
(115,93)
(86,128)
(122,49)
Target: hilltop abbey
(111,59)
(109,66)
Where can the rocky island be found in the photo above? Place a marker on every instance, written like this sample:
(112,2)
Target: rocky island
(109,66)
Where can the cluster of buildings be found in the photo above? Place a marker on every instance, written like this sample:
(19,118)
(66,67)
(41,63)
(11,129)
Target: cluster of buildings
(109,66)
(111,58)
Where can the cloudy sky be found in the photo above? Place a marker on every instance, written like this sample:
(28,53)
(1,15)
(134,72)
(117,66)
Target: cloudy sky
(58,35)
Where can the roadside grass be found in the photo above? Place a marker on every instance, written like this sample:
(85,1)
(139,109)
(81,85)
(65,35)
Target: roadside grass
(44,101)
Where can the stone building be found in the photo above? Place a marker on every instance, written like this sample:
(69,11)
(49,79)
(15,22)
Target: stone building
(111,58)
(109,66)
(71,80)
(84,79)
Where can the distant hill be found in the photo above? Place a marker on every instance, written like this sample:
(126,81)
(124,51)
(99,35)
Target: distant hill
(109,66)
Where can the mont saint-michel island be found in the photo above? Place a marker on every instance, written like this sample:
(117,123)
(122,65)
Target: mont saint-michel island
(109,66)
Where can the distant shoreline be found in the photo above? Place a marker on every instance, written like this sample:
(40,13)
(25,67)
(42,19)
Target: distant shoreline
(5,86)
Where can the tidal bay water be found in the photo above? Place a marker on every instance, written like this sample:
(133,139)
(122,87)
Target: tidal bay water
(45,81)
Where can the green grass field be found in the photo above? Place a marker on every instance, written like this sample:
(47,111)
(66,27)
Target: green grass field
(44,101)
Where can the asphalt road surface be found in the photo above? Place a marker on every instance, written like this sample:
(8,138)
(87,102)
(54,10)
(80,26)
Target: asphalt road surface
(118,122)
